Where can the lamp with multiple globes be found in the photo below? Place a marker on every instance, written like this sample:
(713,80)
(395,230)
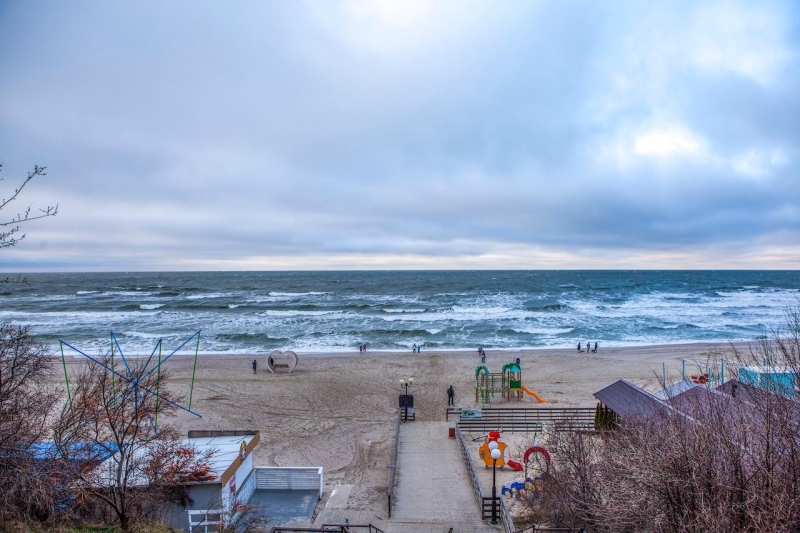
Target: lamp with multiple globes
(406,383)
(496,454)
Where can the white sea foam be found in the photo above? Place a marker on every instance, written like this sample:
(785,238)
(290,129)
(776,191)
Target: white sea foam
(293,312)
(149,307)
(137,293)
(543,331)
(209,295)
(293,294)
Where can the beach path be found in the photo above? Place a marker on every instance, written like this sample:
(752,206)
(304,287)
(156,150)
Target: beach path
(433,492)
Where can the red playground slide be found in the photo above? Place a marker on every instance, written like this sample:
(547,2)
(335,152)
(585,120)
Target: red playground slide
(514,465)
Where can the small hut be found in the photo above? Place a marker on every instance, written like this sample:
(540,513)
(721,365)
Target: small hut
(777,379)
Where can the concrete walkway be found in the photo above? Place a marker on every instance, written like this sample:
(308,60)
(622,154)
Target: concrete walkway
(433,492)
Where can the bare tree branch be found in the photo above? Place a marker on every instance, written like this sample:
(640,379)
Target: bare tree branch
(11,236)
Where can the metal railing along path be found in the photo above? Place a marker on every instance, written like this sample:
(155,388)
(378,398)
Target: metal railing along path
(393,466)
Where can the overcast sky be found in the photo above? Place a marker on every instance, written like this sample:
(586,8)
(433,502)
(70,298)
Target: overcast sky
(337,135)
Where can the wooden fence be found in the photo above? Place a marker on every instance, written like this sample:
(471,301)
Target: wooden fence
(523,419)
(329,528)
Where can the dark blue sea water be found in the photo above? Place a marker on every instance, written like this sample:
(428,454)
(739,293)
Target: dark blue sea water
(252,312)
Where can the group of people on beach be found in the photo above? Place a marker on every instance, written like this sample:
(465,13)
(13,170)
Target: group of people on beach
(416,348)
(588,347)
(363,348)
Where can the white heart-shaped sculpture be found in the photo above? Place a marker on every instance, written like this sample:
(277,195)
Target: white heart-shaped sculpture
(281,361)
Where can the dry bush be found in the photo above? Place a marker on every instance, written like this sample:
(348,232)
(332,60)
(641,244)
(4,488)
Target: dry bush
(712,463)
(26,491)
(125,418)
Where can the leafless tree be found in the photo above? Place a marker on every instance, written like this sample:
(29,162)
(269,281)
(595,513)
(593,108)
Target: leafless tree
(713,461)
(119,420)
(10,228)
(25,402)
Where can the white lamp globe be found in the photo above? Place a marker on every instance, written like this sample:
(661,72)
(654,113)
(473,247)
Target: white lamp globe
(402,382)
(410,381)
(492,445)
(496,454)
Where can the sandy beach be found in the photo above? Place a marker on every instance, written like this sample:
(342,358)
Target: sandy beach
(338,410)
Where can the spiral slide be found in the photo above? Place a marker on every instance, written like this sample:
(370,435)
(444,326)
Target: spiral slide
(538,398)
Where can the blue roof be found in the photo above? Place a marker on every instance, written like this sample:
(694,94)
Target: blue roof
(79,451)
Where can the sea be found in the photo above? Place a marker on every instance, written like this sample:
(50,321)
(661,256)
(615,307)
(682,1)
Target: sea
(337,311)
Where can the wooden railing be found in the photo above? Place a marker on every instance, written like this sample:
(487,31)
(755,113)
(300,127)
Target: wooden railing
(393,466)
(329,528)
(525,419)
(533,529)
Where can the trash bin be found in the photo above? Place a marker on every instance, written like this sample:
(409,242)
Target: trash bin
(452,432)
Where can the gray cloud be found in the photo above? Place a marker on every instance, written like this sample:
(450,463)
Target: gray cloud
(404,134)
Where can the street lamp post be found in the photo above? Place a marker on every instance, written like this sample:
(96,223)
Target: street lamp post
(495,456)
(406,384)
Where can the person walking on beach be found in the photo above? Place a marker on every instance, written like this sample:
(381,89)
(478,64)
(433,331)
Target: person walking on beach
(595,347)
(579,348)
(414,348)
(483,355)
(588,346)
(254,366)
(451,396)
(419,348)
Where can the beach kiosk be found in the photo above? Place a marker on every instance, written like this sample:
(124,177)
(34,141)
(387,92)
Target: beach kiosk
(773,378)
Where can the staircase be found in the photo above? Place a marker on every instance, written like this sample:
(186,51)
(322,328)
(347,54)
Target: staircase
(433,492)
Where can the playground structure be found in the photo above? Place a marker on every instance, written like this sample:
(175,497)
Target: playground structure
(485,453)
(282,361)
(710,375)
(520,486)
(526,459)
(130,379)
(507,382)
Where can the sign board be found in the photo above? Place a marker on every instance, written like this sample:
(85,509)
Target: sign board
(406,400)
(470,414)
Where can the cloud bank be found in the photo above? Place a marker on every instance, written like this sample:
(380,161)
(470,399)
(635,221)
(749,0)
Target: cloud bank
(317,135)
